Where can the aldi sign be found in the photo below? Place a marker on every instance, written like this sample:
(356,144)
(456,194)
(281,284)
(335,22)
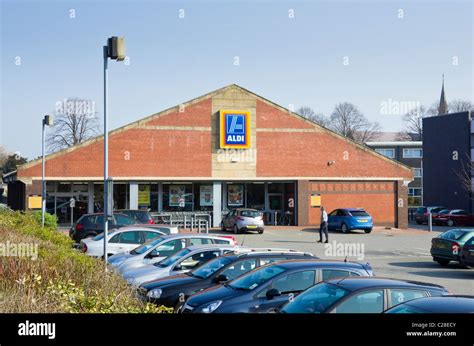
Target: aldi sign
(235,129)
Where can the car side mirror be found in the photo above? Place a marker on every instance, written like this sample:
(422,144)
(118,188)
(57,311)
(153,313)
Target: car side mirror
(178,267)
(221,278)
(153,255)
(272,293)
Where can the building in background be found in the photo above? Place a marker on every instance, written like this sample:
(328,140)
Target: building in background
(229,148)
(409,153)
(448,144)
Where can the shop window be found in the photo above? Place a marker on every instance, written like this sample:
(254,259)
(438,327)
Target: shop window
(256,196)
(203,196)
(178,197)
(275,187)
(235,195)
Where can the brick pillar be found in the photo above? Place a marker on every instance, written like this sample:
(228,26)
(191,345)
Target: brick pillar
(303,202)
(402,205)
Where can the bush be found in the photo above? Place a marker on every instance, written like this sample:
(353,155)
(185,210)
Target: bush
(60,279)
(50,221)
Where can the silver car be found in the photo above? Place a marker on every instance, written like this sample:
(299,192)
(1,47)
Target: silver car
(243,219)
(179,263)
(157,249)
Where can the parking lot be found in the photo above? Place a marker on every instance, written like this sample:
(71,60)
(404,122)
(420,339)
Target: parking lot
(395,253)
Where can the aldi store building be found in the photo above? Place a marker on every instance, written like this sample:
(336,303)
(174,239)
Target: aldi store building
(227,149)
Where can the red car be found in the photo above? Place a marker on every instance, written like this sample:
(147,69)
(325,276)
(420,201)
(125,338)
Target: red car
(453,217)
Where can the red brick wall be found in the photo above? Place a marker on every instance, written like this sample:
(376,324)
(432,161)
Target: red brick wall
(377,198)
(271,117)
(281,153)
(198,114)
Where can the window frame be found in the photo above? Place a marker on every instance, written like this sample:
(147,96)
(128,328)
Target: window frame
(405,152)
(383,151)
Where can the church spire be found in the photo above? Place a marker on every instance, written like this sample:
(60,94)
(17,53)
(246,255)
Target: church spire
(443,106)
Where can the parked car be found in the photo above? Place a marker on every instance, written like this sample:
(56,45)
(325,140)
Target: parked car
(447,246)
(360,295)
(157,249)
(467,254)
(349,219)
(181,262)
(89,225)
(452,304)
(422,213)
(270,286)
(173,291)
(243,219)
(139,215)
(120,240)
(454,217)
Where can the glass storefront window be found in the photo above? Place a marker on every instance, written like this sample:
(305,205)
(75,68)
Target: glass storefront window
(178,197)
(235,195)
(275,187)
(64,187)
(256,196)
(203,196)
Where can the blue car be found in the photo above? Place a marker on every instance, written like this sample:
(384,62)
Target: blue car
(349,219)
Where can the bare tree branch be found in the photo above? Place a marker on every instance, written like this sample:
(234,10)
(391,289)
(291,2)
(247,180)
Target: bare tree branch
(308,113)
(73,124)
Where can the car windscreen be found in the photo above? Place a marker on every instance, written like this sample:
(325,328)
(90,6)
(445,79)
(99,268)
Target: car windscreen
(359,213)
(443,211)
(316,299)
(210,267)
(172,259)
(249,213)
(454,234)
(255,278)
(147,246)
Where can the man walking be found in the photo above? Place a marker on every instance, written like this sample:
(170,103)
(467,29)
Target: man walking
(323,226)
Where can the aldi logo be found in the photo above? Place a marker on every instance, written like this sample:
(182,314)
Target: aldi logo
(235,129)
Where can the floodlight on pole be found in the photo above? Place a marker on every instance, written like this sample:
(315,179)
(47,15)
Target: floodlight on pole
(47,121)
(114,50)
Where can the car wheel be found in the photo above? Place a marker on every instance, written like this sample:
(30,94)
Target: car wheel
(260,232)
(441,261)
(222,226)
(344,228)
(236,229)
(368,230)
(450,223)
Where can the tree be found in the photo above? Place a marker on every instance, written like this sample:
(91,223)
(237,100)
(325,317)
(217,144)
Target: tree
(3,156)
(308,113)
(413,120)
(12,162)
(348,121)
(457,106)
(74,123)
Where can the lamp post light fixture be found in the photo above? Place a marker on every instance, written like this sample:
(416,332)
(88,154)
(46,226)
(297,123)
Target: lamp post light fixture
(114,50)
(47,121)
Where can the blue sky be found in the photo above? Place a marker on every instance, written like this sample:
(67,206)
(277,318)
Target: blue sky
(291,61)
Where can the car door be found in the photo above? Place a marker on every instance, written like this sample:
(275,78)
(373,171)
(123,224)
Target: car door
(165,249)
(124,241)
(289,285)
(229,219)
(402,295)
(367,301)
(332,219)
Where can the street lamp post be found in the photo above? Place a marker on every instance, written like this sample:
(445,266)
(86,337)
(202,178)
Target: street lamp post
(47,120)
(115,50)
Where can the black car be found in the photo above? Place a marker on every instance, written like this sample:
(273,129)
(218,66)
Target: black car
(140,216)
(89,225)
(270,286)
(360,295)
(467,253)
(173,291)
(436,305)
